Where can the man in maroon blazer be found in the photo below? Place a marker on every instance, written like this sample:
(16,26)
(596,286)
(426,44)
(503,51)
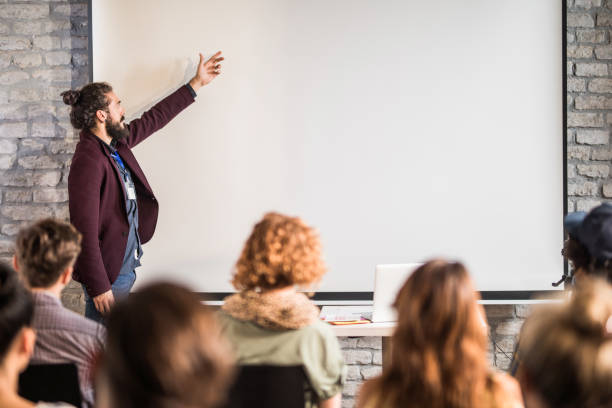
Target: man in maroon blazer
(110,200)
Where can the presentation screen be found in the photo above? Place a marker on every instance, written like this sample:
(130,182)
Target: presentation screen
(400,130)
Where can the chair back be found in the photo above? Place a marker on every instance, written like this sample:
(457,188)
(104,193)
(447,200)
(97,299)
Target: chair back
(269,387)
(51,383)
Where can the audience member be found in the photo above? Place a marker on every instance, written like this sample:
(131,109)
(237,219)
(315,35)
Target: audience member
(567,351)
(16,339)
(438,353)
(269,322)
(589,243)
(164,350)
(44,255)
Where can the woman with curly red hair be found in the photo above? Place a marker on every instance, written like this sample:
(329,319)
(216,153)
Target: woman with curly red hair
(269,322)
(438,354)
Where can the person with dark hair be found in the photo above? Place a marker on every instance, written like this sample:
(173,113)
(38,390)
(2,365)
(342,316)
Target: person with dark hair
(45,253)
(567,350)
(438,350)
(110,200)
(589,244)
(164,350)
(16,339)
(269,322)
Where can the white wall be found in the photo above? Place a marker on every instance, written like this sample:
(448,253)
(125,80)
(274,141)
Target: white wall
(400,129)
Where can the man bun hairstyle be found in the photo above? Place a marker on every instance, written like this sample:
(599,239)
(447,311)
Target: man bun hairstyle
(16,308)
(45,249)
(86,102)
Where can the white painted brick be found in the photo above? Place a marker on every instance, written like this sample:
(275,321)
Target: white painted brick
(51,195)
(575,119)
(13,77)
(11,43)
(579,51)
(4,28)
(27,212)
(11,229)
(578,152)
(351,388)
(571,171)
(7,161)
(75,43)
(357,356)
(40,111)
(593,170)
(580,20)
(73,10)
(587,4)
(24,95)
(47,42)
(27,60)
(603,52)
(43,129)
(601,154)
(347,342)
(13,130)
(53,75)
(6,246)
(8,146)
(353,373)
(593,102)
(499,311)
(604,19)
(591,69)
(509,328)
(27,27)
(31,145)
(13,111)
(576,85)
(600,85)
(607,190)
(24,11)
(62,147)
(523,311)
(18,196)
(377,357)
(63,58)
(39,162)
(585,189)
(592,136)
(5,61)
(587,205)
(29,178)
(371,372)
(591,36)
(370,342)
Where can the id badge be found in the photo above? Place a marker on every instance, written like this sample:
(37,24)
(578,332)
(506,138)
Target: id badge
(131,192)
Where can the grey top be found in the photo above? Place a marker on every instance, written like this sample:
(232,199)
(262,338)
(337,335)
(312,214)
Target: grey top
(63,336)
(133,249)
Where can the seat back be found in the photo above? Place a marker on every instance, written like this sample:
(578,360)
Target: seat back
(51,383)
(269,387)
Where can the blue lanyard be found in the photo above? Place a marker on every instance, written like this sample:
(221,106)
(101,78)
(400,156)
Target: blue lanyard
(117,158)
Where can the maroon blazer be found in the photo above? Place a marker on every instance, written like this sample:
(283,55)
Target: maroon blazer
(97,197)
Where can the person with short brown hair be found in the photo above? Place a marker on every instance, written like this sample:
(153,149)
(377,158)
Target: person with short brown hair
(164,350)
(45,253)
(269,322)
(567,350)
(439,347)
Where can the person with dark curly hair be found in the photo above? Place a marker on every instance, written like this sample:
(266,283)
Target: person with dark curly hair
(110,200)
(269,322)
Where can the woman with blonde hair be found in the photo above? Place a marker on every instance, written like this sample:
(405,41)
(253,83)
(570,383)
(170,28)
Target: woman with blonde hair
(269,322)
(438,351)
(567,350)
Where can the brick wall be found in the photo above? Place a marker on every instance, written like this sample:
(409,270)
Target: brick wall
(43,51)
(589,100)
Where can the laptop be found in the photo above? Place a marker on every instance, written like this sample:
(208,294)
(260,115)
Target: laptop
(388,280)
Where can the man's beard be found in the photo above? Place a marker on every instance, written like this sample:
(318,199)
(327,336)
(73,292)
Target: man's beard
(115,131)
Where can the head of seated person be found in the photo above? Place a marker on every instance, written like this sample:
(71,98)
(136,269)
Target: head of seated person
(269,322)
(439,348)
(45,253)
(16,336)
(567,350)
(164,350)
(589,244)
(281,252)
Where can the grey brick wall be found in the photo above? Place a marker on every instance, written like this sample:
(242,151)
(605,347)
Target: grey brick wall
(589,100)
(43,51)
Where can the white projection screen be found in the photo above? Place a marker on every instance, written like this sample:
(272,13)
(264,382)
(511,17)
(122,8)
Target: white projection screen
(401,130)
